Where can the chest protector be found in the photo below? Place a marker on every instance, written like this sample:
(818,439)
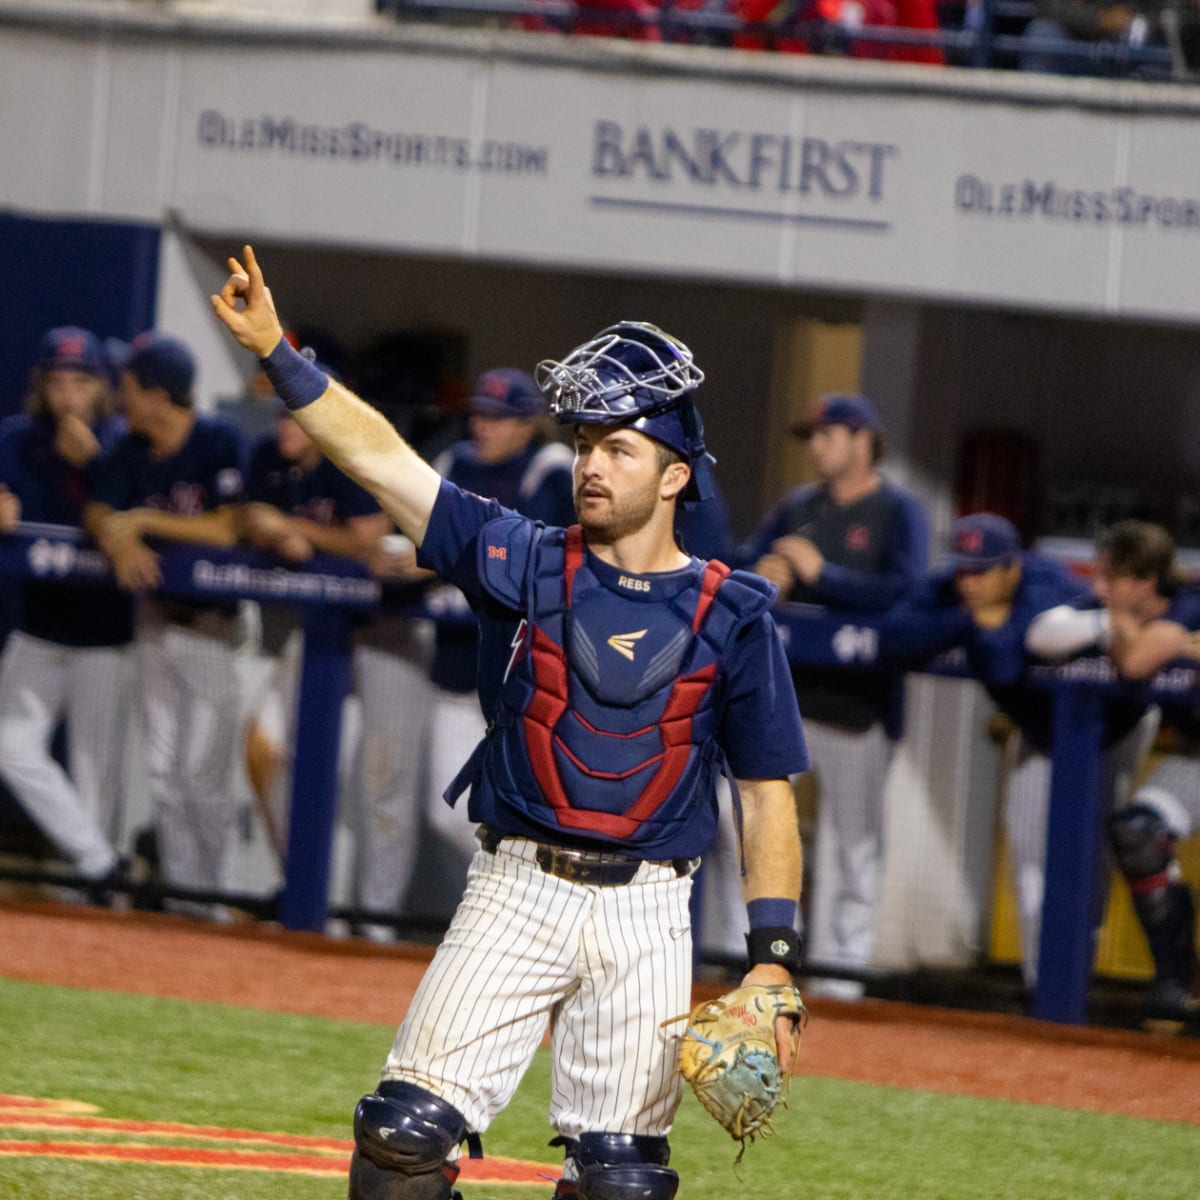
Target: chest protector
(607,719)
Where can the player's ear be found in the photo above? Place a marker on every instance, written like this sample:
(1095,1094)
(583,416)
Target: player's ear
(674,479)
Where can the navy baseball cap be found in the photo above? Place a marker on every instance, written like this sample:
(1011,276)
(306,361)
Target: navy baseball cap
(840,408)
(981,541)
(507,392)
(157,360)
(70,348)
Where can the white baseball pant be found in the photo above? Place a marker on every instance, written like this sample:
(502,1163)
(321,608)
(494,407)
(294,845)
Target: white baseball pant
(723,921)
(389,778)
(1173,790)
(456,728)
(40,682)
(851,768)
(602,966)
(1027,810)
(190,708)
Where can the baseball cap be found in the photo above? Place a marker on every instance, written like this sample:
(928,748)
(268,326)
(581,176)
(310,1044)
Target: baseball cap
(507,392)
(840,408)
(70,348)
(158,360)
(981,541)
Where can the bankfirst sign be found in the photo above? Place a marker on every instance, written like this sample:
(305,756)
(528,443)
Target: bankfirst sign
(943,190)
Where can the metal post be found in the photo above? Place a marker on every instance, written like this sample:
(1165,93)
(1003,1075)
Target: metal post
(324,680)
(1066,952)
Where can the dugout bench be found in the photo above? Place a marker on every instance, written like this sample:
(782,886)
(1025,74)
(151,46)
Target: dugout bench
(331,590)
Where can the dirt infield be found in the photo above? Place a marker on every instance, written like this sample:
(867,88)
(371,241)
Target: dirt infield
(874,1041)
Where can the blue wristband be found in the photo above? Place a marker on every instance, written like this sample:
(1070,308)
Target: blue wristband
(296,380)
(771,913)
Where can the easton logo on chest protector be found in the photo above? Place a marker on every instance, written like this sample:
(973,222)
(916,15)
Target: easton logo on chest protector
(610,738)
(624,643)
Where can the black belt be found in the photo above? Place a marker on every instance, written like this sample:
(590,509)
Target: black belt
(588,867)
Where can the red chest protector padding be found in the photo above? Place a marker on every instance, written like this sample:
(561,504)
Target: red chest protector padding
(616,750)
(552,697)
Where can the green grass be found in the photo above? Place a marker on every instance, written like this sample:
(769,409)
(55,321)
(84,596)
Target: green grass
(167,1060)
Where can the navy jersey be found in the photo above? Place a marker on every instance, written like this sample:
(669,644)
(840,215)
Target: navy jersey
(758,724)
(536,483)
(875,550)
(204,474)
(1184,714)
(54,491)
(934,619)
(323,495)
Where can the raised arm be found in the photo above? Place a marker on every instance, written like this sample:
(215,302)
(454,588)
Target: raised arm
(354,435)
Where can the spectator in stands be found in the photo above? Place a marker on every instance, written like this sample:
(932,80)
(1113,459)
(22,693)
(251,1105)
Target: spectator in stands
(829,26)
(67,654)
(851,541)
(636,19)
(298,504)
(1150,617)
(509,458)
(983,602)
(1114,30)
(176,476)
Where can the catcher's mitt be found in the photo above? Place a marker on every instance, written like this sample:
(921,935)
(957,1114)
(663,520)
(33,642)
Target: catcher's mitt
(728,1056)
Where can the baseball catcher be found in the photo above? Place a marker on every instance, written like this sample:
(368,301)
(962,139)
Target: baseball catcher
(615,672)
(729,1056)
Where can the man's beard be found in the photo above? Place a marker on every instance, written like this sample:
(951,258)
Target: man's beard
(620,517)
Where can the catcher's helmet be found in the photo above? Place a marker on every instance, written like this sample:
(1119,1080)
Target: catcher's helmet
(635,375)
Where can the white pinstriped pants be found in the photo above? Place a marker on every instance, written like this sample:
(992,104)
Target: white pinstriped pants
(602,966)
(39,681)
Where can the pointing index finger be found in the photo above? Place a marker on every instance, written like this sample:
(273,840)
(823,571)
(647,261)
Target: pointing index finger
(253,273)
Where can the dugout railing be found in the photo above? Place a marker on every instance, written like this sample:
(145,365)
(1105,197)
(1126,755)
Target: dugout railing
(329,591)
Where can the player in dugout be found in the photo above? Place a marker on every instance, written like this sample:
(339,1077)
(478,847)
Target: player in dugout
(68,655)
(616,673)
(1149,617)
(176,475)
(984,601)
